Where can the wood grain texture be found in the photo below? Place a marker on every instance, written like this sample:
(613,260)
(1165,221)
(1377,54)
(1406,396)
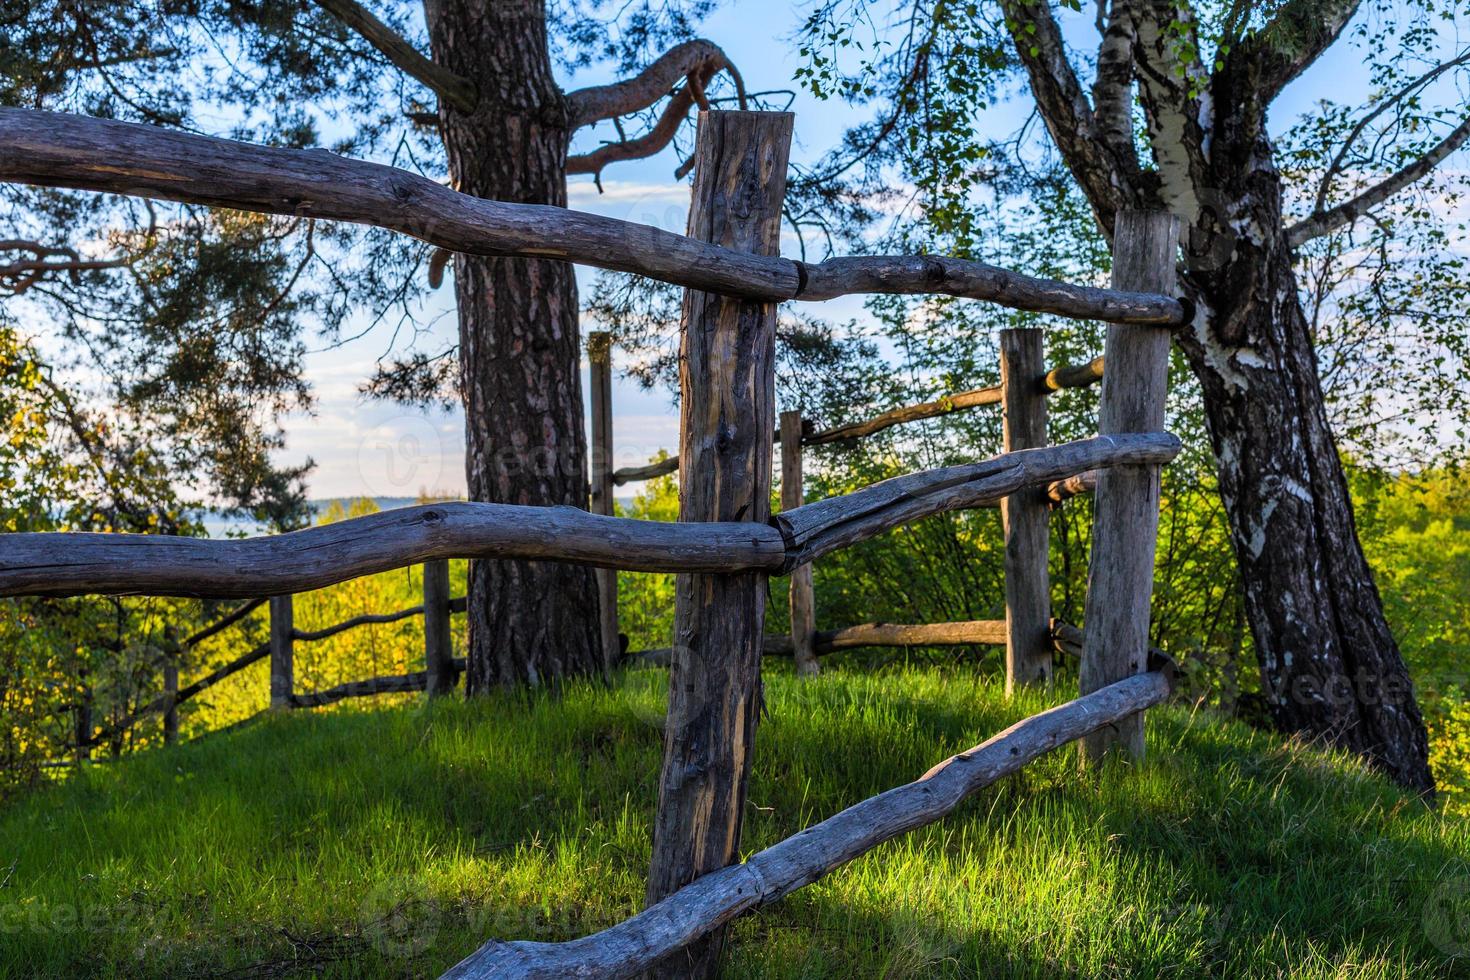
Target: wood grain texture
(56,149)
(713,900)
(57,563)
(727,410)
(283,651)
(1061,491)
(599,361)
(1068,376)
(1025,513)
(803,602)
(438,642)
(1126,521)
(837,522)
(964,633)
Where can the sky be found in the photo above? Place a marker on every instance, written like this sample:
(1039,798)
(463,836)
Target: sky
(370,448)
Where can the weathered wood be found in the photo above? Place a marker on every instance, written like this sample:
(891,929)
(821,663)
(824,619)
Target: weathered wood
(909,413)
(632,945)
(417,680)
(1069,376)
(975,631)
(803,602)
(1125,526)
(1063,490)
(171,690)
(1074,375)
(283,652)
(727,410)
(599,359)
(57,149)
(837,522)
(438,643)
(57,563)
(1024,514)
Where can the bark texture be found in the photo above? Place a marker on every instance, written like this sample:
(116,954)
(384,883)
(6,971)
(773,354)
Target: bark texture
(1330,665)
(529,622)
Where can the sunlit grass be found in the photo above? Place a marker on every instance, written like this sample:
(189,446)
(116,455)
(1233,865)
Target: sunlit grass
(390,843)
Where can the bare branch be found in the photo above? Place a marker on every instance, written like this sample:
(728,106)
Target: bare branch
(458,91)
(698,59)
(1322,222)
(1112,89)
(660,136)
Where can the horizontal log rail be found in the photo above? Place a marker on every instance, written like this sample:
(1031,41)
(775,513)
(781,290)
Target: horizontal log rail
(165,702)
(56,149)
(962,633)
(714,899)
(1066,376)
(415,680)
(67,563)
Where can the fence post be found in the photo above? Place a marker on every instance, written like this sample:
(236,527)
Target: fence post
(438,647)
(599,359)
(803,602)
(1125,528)
(172,651)
(283,642)
(1024,514)
(727,413)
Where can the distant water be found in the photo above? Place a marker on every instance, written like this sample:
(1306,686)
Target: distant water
(221,527)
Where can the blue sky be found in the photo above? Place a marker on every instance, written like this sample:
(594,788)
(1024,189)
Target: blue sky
(371,448)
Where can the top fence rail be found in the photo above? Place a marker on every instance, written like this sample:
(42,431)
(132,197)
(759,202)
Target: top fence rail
(85,153)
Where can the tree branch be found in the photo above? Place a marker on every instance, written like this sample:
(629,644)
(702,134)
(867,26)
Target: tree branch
(1322,222)
(1169,87)
(698,59)
(1112,89)
(660,136)
(458,91)
(1105,178)
(1273,56)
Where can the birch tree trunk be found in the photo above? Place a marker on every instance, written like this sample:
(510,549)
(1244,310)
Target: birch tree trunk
(1329,664)
(529,622)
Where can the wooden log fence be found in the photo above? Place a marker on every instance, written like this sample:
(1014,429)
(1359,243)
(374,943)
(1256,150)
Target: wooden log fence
(57,149)
(726,543)
(633,945)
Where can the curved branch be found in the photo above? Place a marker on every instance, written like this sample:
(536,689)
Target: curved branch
(696,57)
(455,89)
(18,276)
(651,142)
(61,150)
(1324,222)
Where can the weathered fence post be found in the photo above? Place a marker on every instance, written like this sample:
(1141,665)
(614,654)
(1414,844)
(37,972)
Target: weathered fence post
(283,636)
(599,359)
(438,646)
(1024,515)
(727,412)
(803,602)
(1125,529)
(172,650)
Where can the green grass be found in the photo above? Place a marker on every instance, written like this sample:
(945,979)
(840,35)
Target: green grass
(391,842)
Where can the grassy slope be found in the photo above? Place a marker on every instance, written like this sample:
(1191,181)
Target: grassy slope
(391,842)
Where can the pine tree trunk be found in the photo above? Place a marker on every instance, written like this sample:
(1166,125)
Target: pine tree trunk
(1329,663)
(529,622)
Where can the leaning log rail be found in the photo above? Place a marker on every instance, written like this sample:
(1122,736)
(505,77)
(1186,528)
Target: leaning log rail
(634,944)
(79,563)
(1057,379)
(57,149)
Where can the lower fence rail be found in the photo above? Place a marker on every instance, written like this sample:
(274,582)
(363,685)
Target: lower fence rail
(706,903)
